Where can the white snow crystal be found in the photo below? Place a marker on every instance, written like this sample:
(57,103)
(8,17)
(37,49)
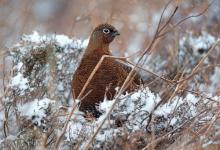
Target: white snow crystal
(75,130)
(173,121)
(19,81)
(36,109)
(191,98)
(34,37)
(19,65)
(63,40)
(60,86)
(106,105)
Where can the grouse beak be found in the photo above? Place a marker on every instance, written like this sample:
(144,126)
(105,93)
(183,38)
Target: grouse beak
(115,33)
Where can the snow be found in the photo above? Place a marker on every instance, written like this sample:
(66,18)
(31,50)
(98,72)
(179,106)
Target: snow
(19,65)
(176,102)
(80,43)
(173,121)
(35,110)
(34,37)
(9,137)
(135,106)
(132,109)
(106,105)
(60,86)
(62,40)
(75,131)
(19,81)
(202,42)
(192,48)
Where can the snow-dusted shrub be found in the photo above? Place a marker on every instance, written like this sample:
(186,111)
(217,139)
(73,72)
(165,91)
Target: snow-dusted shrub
(39,99)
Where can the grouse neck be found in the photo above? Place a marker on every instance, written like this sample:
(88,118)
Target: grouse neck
(95,47)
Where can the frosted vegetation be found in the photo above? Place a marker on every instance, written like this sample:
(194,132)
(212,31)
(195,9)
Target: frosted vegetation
(39,99)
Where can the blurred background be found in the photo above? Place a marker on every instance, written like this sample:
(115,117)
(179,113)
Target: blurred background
(136,20)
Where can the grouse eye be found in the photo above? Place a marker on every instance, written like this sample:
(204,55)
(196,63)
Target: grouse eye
(106,31)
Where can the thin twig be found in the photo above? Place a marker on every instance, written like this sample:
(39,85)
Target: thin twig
(65,125)
(187,18)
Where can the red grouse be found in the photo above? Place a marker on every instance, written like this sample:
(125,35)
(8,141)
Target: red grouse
(110,75)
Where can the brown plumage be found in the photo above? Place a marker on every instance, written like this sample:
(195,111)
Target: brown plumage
(110,75)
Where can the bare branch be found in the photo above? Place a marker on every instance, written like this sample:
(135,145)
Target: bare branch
(187,18)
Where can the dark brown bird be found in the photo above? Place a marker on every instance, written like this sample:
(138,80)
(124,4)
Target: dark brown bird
(110,75)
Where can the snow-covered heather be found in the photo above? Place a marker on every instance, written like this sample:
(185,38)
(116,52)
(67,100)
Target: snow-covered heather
(41,86)
(19,82)
(60,40)
(199,44)
(40,90)
(33,70)
(192,48)
(35,110)
(134,109)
